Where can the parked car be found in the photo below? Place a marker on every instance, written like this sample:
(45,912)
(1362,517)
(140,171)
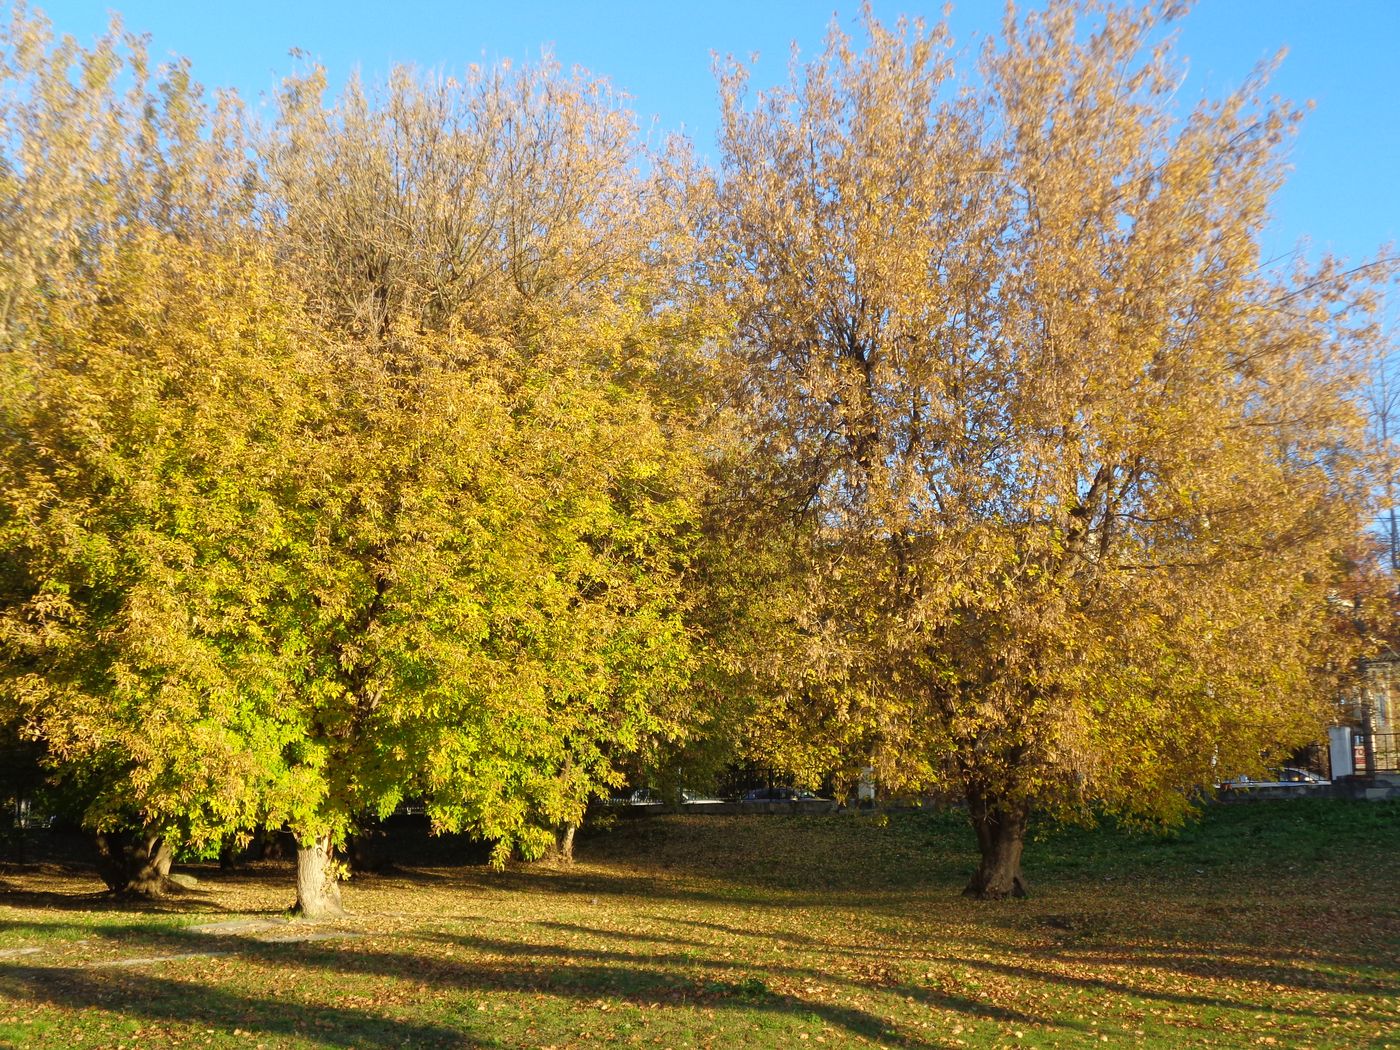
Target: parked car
(695,798)
(1289,775)
(650,797)
(782,794)
(1285,777)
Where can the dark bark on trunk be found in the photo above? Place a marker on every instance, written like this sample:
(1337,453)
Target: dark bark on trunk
(135,863)
(1001,833)
(318,890)
(230,853)
(367,850)
(564,840)
(272,844)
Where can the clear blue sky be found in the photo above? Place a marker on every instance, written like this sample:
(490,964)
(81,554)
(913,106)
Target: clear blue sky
(1344,194)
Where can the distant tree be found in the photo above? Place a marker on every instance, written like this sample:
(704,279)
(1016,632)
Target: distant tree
(1383,400)
(1062,469)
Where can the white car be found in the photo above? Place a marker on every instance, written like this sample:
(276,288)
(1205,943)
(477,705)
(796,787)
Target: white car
(1287,777)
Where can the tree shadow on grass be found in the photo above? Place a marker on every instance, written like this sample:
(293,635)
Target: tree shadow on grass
(1196,961)
(639,979)
(583,882)
(71,888)
(1102,982)
(1227,962)
(698,977)
(621,935)
(1236,963)
(145,931)
(1279,956)
(965,1005)
(683,887)
(803,941)
(664,967)
(148,998)
(183,902)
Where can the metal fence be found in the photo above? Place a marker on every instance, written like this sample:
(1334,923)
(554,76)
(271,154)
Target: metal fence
(1377,752)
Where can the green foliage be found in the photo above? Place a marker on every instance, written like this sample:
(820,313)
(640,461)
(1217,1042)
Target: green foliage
(263,563)
(140,433)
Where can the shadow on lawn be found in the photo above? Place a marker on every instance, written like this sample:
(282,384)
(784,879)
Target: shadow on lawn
(1234,963)
(802,941)
(876,951)
(685,972)
(1215,962)
(642,979)
(1230,962)
(147,933)
(162,999)
(1238,965)
(188,902)
(677,885)
(200,899)
(960,1004)
(1293,968)
(1243,977)
(639,979)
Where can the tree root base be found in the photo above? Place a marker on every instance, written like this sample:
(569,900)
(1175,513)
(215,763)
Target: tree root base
(1018,889)
(162,890)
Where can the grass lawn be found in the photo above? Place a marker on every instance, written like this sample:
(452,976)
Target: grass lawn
(1270,924)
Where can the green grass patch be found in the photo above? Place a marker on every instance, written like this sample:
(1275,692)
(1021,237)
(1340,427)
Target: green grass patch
(1271,924)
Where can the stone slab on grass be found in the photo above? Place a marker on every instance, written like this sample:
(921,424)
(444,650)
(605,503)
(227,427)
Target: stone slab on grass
(273,931)
(148,960)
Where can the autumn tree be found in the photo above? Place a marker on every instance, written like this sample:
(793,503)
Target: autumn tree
(1061,467)
(502,595)
(126,469)
(150,438)
(345,462)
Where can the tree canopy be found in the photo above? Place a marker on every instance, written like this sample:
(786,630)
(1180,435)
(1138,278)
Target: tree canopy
(309,506)
(438,440)
(1067,467)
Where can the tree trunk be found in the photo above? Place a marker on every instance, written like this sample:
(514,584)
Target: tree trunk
(318,889)
(135,862)
(564,840)
(1001,832)
(367,849)
(229,851)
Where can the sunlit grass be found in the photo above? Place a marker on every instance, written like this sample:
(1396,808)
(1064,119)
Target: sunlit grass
(1269,924)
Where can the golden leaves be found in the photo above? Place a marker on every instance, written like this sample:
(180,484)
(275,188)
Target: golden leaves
(1064,484)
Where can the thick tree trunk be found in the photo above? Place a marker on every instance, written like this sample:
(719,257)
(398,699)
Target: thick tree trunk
(565,842)
(318,891)
(135,863)
(1001,832)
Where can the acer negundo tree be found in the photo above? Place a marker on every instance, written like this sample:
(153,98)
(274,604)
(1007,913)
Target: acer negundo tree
(344,460)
